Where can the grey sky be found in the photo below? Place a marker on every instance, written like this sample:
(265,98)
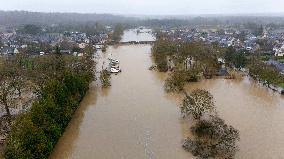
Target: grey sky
(154,7)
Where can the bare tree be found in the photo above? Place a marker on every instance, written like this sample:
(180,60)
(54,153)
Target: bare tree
(197,103)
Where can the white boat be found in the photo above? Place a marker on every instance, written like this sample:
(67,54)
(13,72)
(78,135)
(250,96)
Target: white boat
(114,66)
(114,62)
(98,47)
(115,70)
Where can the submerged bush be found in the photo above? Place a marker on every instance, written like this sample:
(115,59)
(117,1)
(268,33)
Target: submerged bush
(105,77)
(197,103)
(175,82)
(213,138)
(178,79)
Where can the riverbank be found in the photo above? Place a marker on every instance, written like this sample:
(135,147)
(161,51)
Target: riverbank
(275,88)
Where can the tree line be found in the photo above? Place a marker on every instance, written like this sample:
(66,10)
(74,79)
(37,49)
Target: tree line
(59,83)
(187,61)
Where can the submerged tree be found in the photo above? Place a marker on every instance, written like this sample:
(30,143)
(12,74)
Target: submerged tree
(175,82)
(197,103)
(105,78)
(213,138)
(179,78)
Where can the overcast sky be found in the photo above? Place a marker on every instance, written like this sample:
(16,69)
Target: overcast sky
(149,7)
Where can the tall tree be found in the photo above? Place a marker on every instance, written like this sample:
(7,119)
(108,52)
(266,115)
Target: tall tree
(117,32)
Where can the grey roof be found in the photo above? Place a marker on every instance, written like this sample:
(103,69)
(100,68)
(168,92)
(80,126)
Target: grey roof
(279,66)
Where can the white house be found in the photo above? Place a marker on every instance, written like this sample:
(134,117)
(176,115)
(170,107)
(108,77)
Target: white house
(16,51)
(82,45)
(280,51)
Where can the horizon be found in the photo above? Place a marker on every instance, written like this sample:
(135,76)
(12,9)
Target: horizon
(272,14)
(148,7)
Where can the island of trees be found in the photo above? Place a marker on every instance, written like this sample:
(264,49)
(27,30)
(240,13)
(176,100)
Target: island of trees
(189,62)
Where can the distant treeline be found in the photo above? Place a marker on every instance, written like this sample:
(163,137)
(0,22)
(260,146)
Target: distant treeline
(16,18)
(24,17)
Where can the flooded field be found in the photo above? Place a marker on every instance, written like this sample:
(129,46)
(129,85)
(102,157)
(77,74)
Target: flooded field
(133,35)
(136,119)
(256,111)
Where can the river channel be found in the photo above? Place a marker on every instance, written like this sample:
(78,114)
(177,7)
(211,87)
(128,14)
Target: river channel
(136,119)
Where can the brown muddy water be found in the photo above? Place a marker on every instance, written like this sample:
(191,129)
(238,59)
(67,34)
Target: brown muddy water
(256,111)
(136,119)
(131,120)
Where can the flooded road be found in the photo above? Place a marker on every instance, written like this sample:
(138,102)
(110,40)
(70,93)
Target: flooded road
(136,119)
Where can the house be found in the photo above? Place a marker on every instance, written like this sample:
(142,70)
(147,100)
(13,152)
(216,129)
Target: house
(278,66)
(279,51)
(7,50)
(65,51)
(16,51)
(82,45)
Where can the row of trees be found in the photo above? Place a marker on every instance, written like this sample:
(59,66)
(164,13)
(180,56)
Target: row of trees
(59,82)
(161,50)
(264,72)
(165,50)
(212,137)
(189,61)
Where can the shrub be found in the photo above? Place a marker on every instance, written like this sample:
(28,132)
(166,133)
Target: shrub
(213,138)
(105,77)
(175,82)
(198,103)
(178,79)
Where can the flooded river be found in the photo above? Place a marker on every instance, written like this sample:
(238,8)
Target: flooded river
(136,119)
(132,119)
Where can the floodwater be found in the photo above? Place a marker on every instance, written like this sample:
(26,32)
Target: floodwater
(256,111)
(132,35)
(133,119)
(136,119)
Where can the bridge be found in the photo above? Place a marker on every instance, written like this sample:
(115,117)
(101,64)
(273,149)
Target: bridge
(136,42)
